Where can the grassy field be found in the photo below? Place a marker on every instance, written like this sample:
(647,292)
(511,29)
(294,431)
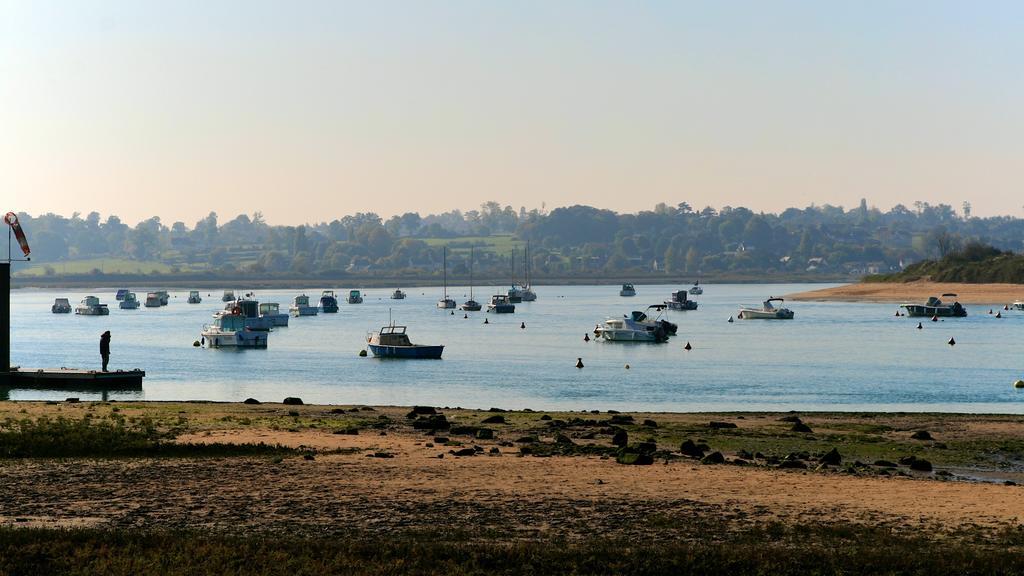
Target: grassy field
(104,265)
(501,245)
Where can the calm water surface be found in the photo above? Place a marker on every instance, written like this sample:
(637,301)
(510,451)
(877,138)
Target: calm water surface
(833,356)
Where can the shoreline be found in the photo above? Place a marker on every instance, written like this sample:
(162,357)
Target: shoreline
(915,292)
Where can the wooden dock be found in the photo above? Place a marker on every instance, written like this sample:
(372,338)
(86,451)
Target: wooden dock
(72,379)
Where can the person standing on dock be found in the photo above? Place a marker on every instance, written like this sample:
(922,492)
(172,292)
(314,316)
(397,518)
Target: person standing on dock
(105,348)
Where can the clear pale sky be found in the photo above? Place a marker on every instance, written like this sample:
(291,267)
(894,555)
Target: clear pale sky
(311,110)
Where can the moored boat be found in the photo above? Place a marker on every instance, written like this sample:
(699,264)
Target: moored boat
(627,290)
(229,330)
(61,306)
(152,300)
(228,296)
(1017,305)
(393,342)
(936,307)
(767,311)
(194,297)
(445,302)
(164,296)
(300,307)
(696,290)
(90,306)
(355,297)
(398,294)
(328,302)
(250,311)
(471,305)
(637,327)
(680,301)
(500,304)
(129,302)
(272,312)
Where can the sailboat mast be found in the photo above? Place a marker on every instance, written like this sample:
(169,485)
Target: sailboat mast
(471,273)
(444,267)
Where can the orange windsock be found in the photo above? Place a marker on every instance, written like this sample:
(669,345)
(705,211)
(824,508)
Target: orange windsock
(12,220)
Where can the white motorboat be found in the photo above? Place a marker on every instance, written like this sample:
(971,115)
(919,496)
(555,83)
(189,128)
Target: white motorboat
(152,300)
(500,304)
(164,297)
(272,312)
(194,297)
(1017,306)
(767,311)
(398,294)
(228,330)
(300,307)
(696,290)
(445,302)
(61,306)
(354,297)
(637,327)
(91,306)
(129,302)
(627,290)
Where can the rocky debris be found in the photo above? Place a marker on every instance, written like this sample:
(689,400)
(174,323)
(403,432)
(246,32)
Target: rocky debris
(921,435)
(621,438)
(347,431)
(620,419)
(293,413)
(292,401)
(337,411)
(713,458)
(650,423)
(383,455)
(885,464)
(720,425)
(908,460)
(740,462)
(689,448)
(921,465)
(485,434)
(72,400)
(494,451)
(308,457)
(793,418)
(648,447)
(250,401)
(463,430)
(832,458)
(527,440)
(744,454)
(420,411)
(440,439)
(564,440)
(432,422)
(506,444)
(496,410)
(632,457)
(545,417)
(496,419)
(801,427)
(463,452)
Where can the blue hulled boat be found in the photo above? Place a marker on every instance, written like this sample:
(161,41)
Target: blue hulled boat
(393,342)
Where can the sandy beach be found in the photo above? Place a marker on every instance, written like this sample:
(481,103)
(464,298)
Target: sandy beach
(540,475)
(919,291)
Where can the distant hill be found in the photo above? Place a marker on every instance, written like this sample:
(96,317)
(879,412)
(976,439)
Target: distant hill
(975,263)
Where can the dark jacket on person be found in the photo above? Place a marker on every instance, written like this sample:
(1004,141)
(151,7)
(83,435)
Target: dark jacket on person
(105,344)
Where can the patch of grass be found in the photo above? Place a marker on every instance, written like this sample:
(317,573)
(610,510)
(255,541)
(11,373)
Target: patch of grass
(105,265)
(106,437)
(779,550)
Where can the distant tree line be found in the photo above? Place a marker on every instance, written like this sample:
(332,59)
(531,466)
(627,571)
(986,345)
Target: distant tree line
(576,240)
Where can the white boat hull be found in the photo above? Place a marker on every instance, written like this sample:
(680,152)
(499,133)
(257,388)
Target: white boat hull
(753,314)
(241,339)
(92,311)
(627,335)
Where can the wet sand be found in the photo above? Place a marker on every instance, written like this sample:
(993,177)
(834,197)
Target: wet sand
(919,291)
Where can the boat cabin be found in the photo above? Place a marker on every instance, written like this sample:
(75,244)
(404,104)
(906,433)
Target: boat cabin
(270,308)
(393,336)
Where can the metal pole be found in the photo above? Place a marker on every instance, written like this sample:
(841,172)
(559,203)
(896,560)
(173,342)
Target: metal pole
(5,319)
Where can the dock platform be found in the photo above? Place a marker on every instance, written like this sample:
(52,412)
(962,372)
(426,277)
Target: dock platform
(72,379)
